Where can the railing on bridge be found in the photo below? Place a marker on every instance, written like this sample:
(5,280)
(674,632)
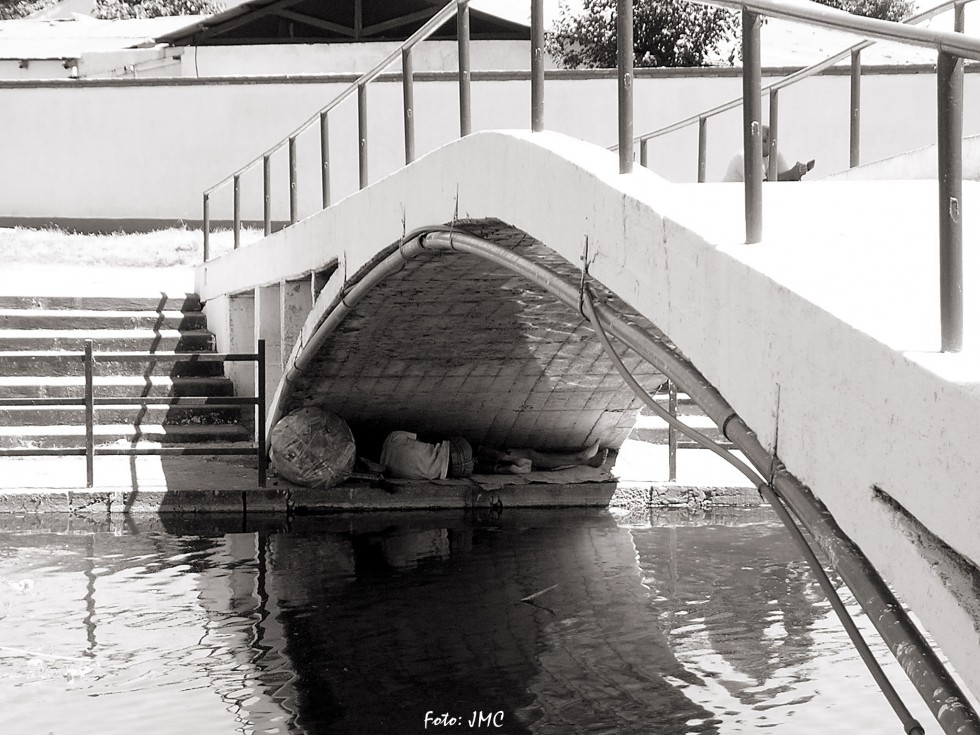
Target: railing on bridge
(91,404)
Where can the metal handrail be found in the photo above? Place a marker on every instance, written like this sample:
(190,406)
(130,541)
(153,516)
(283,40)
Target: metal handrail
(90,402)
(421,34)
(795,77)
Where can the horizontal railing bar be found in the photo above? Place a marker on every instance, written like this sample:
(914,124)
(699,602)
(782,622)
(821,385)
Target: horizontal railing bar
(430,27)
(42,402)
(133,356)
(202,451)
(797,76)
(949,42)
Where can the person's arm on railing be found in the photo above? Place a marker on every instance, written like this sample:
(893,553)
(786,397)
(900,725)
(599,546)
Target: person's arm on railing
(795,172)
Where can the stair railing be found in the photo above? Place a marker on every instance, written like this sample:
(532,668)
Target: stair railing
(772,89)
(91,403)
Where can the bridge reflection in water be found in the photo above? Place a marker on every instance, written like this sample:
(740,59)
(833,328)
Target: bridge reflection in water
(564,623)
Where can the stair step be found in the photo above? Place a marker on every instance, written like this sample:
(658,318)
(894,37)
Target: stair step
(150,302)
(106,340)
(130,386)
(53,363)
(89,319)
(165,434)
(119,414)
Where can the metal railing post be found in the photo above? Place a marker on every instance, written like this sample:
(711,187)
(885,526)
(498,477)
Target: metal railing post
(752,124)
(237,209)
(362,132)
(624,64)
(537,65)
(324,160)
(260,410)
(772,174)
(644,152)
(206,227)
(855,108)
(949,75)
(408,99)
(959,17)
(293,189)
(267,194)
(671,433)
(702,149)
(89,417)
(463,44)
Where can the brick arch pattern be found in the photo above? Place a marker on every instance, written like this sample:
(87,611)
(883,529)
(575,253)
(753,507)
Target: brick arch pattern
(455,344)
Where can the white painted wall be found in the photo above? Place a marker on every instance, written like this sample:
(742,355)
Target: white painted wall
(827,329)
(147,149)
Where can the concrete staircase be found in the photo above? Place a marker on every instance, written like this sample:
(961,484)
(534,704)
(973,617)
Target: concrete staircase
(53,325)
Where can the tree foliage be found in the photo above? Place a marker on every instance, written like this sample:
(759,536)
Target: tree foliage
(894,10)
(12,9)
(665,33)
(122,9)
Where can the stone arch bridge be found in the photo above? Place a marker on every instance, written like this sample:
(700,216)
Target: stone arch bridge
(819,345)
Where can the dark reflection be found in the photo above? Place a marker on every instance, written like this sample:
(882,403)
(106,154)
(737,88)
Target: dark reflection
(545,622)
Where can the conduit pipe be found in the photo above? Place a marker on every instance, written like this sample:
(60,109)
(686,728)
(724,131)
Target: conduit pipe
(933,682)
(909,723)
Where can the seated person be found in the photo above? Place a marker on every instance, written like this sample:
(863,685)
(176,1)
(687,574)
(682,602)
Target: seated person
(404,456)
(736,168)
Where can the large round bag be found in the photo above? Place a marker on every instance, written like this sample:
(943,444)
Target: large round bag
(312,447)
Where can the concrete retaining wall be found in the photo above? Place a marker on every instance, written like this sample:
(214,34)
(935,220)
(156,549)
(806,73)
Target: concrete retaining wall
(145,150)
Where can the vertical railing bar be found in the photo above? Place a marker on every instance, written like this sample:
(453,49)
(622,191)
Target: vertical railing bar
(408,99)
(772,174)
(463,44)
(671,432)
(267,194)
(949,77)
(644,145)
(624,64)
(362,132)
(702,148)
(752,124)
(293,184)
(537,65)
(237,208)
(89,416)
(260,411)
(855,135)
(206,227)
(324,160)
(959,17)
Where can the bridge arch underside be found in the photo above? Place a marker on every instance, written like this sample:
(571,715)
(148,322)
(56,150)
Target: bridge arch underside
(453,343)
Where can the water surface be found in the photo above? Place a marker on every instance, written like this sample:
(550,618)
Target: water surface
(523,622)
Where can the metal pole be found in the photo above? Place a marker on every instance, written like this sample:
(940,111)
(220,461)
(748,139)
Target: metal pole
(702,148)
(324,160)
(206,227)
(237,187)
(293,192)
(949,73)
(89,417)
(537,65)
(773,173)
(752,124)
(959,17)
(624,63)
(855,108)
(260,410)
(671,433)
(267,194)
(362,132)
(644,145)
(463,44)
(408,98)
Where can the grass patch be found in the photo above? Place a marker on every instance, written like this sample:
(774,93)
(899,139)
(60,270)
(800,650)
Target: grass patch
(158,249)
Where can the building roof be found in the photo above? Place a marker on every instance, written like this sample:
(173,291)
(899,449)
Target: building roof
(325,21)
